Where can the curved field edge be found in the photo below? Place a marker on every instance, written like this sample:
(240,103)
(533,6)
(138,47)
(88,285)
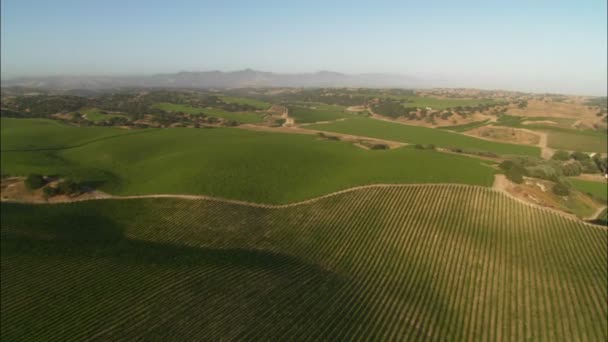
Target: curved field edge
(408,262)
(240,164)
(382,129)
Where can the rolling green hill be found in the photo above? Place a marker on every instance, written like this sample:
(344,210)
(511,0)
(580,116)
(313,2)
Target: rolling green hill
(238,164)
(34,134)
(242,117)
(314,112)
(440,262)
(421,135)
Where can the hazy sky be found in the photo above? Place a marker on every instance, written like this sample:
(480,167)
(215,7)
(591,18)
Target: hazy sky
(535,45)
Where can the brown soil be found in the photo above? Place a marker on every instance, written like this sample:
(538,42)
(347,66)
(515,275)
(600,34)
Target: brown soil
(539,122)
(453,120)
(14,189)
(537,192)
(357,140)
(506,134)
(554,109)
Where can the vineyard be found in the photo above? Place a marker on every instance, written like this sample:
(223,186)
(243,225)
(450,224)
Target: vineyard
(445,262)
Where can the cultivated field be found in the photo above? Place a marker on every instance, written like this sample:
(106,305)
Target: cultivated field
(242,117)
(316,112)
(262,105)
(442,262)
(421,135)
(36,134)
(231,163)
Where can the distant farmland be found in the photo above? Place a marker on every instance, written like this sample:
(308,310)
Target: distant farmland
(317,112)
(226,162)
(441,262)
(421,135)
(242,117)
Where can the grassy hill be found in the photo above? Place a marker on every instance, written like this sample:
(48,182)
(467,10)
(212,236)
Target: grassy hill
(421,135)
(242,117)
(234,163)
(34,134)
(314,112)
(444,262)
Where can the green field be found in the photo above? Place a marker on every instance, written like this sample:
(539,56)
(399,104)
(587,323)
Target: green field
(34,134)
(435,103)
(465,127)
(562,137)
(317,112)
(242,117)
(421,135)
(435,262)
(262,105)
(573,140)
(236,163)
(597,189)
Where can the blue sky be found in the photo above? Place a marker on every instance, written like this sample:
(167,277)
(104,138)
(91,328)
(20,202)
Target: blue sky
(557,46)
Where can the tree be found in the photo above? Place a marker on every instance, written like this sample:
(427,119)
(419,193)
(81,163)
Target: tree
(580,156)
(572,169)
(513,171)
(68,187)
(34,181)
(561,155)
(561,189)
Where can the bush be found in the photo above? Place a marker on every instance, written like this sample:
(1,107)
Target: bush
(34,181)
(513,171)
(49,192)
(515,175)
(561,155)
(419,147)
(588,166)
(379,147)
(68,187)
(580,156)
(561,189)
(572,169)
(430,147)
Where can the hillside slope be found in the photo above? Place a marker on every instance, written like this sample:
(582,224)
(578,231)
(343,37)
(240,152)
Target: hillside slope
(403,262)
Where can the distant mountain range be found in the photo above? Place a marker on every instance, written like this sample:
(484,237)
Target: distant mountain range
(218,79)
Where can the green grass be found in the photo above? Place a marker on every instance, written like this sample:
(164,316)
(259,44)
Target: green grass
(262,105)
(597,189)
(562,137)
(465,127)
(421,135)
(435,103)
(94,114)
(241,164)
(34,134)
(587,141)
(317,112)
(242,117)
(397,263)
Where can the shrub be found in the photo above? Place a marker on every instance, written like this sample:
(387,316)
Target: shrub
(561,189)
(379,147)
(580,156)
(34,181)
(515,175)
(419,147)
(561,155)
(572,169)
(430,147)
(513,171)
(68,187)
(49,192)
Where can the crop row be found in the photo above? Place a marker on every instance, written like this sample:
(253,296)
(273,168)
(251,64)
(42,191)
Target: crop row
(409,262)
